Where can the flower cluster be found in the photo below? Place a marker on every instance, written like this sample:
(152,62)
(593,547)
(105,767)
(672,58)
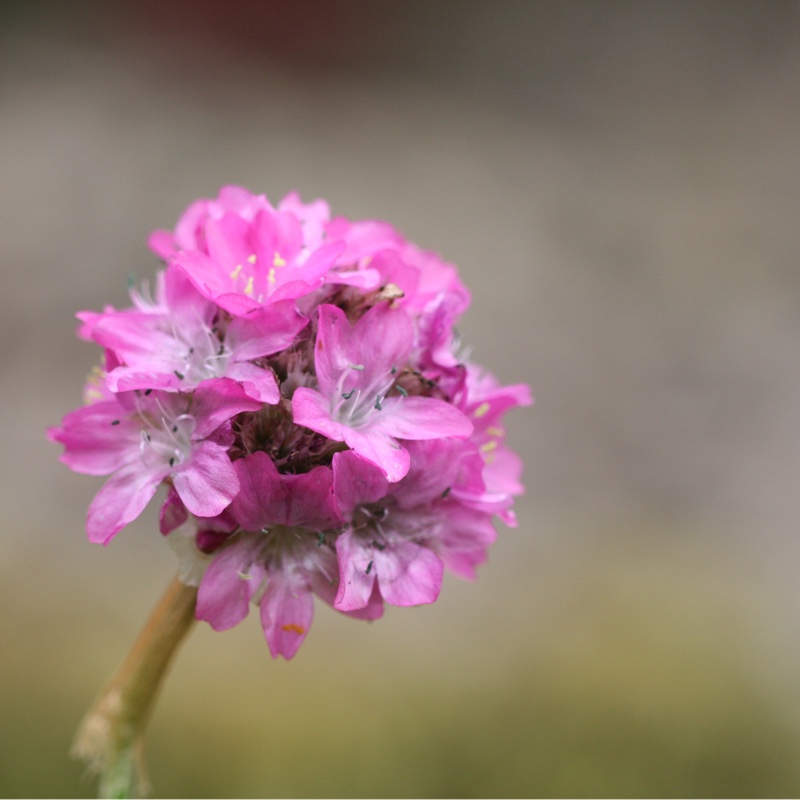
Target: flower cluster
(295,383)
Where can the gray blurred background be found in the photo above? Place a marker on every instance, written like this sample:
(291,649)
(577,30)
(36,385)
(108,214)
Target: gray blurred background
(619,183)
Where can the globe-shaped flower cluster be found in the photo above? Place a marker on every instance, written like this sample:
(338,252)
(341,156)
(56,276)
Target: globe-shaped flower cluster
(295,383)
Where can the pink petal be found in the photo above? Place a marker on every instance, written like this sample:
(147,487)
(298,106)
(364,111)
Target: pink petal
(237,303)
(312,410)
(206,274)
(206,482)
(217,400)
(435,463)
(312,216)
(379,341)
(190,311)
(137,338)
(363,237)
(173,513)
(356,482)
(394,270)
(464,539)
(503,472)
(125,379)
(264,331)
(267,498)
(120,501)
(213,532)
(238,199)
(420,418)
(379,449)
(408,574)
(311,503)
(89,320)
(314,269)
(97,439)
(326,591)
(287,610)
(259,383)
(356,573)
(259,484)
(162,243)
(229,583)
(272,232)
(228,241)
(188,231)
(331,354)
(372,610)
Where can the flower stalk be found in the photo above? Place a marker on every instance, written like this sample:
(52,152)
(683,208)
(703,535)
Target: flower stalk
(110,738)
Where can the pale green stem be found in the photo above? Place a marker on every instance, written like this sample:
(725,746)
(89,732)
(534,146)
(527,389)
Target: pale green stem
(111,737)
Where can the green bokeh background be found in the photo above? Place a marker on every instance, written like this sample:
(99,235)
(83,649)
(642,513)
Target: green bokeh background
(619,185)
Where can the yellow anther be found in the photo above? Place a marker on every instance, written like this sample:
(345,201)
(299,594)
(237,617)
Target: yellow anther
(248,289)
(481,410)
(94,382)
(492,431)
(487,447)
(271,277)
(278,261)
(244,575)
(96,375)
(252,258)
(235,273)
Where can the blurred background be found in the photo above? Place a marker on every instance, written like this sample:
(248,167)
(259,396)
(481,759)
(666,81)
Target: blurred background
(619,183)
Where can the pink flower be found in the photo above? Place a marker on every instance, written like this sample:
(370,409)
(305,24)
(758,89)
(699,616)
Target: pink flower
(242,253)
(376,550)
(485,402)
(401,536)
(189,233)
(281,544)
(295,383)
(143,439)
(183,339)
(357,401)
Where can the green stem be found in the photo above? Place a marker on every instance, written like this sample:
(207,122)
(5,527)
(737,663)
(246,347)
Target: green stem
(111,737)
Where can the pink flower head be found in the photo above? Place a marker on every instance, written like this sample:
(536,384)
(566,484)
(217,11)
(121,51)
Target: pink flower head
(295,384)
